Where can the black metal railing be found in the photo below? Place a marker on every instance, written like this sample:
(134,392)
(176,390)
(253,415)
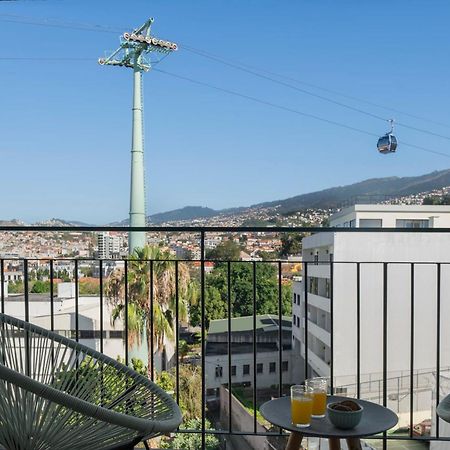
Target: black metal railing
(360,273)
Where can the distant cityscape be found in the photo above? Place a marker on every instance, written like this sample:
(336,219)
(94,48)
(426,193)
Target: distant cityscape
(183,245)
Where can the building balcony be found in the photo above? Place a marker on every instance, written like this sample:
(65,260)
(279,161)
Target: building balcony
(387,341)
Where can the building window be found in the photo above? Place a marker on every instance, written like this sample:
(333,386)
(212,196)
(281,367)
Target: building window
(114,334)
(259,368)
(298,322)
(313,285)
(272,367)
(412,223)
(370,223)
(219,372)
(285,366)
(327,288)
(294,318)
(246,369)
(295,298)
(233,371)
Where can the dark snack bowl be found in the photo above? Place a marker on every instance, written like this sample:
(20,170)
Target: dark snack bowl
(345,415)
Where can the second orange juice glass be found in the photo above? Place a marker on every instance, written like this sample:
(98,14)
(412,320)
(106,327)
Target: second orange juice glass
(318,388)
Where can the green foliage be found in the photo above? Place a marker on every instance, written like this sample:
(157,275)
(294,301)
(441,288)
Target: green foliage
(15,287)
(435,200)
(40,287)
(165,381)
(139,366)
(190,385)
(267,256)
(226,251)
(87,271)
(99,389)
(183,349)
(291,244)
(89,287)
(242,292)
(192,441)
(258,223)
(139,304)
(63,275)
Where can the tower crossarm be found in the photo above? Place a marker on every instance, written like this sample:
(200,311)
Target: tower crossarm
(136,47)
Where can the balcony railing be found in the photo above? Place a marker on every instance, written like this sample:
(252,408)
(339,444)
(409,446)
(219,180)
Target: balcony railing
(386,321)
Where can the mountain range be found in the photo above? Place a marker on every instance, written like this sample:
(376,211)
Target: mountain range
(374,189)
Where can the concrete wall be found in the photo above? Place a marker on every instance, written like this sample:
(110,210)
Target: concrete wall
(241,420)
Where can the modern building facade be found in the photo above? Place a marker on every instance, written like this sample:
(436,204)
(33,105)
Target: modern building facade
(108,246)
(361,287)
(242,362)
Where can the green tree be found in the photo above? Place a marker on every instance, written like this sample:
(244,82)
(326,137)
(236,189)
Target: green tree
(267,256)
(241,277)
(325,222)
(40,287)
(226,251)
(183,349)
(291,244)
(430,201)
(15,287)
(140,314)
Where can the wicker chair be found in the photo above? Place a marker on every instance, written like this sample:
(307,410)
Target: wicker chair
(443,409)
(58,394)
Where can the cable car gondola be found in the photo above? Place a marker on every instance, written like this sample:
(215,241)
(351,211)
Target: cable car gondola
(387,143)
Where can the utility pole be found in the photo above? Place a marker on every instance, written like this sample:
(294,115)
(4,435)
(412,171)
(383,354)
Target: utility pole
(135,51)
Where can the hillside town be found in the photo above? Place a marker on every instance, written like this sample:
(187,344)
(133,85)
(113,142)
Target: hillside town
(37,244)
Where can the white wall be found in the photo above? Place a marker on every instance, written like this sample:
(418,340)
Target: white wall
(439,215)
(371,250)
(263,380)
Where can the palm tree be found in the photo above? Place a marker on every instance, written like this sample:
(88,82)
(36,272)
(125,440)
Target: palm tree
(140,316)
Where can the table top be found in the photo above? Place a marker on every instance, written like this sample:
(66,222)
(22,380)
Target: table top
(375,419)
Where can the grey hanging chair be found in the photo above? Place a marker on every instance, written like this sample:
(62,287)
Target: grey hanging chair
(443,409)
(57,394)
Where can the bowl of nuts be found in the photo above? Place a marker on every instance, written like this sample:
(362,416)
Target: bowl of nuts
(345,415)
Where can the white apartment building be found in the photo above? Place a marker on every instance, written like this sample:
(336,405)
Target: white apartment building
(242,363)
(88,323)
(108,245)
(64,319)
(336,288)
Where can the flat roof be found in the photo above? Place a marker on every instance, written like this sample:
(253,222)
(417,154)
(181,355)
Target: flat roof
(266,322)
(432,209)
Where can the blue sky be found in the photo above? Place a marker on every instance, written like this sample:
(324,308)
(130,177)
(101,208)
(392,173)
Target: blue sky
(65,126)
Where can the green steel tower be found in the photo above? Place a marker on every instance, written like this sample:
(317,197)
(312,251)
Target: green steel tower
(135,51)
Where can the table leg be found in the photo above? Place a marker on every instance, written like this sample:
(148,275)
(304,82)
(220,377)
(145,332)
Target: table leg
(295,439)
(353,443)
(334,443)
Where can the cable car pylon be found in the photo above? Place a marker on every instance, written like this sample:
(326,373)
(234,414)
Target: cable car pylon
(135,51)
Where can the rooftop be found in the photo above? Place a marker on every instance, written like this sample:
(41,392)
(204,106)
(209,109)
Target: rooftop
(264,322)
(423,209)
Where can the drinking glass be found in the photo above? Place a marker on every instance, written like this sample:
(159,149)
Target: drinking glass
(301,406)
(318,387)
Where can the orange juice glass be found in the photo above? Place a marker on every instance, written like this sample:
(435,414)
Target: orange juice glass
(301,406)
(318,387)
